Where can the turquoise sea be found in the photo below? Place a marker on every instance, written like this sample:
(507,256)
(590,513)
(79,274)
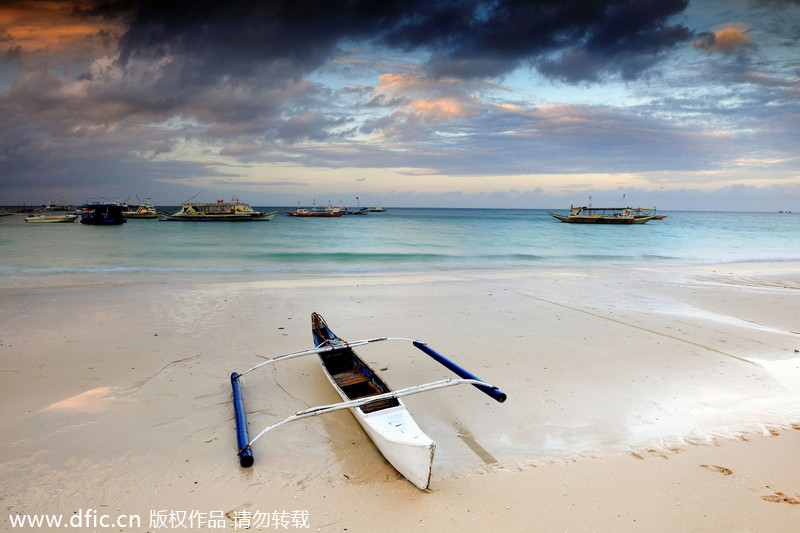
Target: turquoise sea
(399,239)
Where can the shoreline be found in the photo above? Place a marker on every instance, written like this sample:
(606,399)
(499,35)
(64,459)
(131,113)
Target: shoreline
(621,382)
(147,275)
(281,279)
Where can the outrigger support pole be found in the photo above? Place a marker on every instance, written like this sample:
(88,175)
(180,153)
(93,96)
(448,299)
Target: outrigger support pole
(242,435)
(322,409)
(489,391)
(318,349)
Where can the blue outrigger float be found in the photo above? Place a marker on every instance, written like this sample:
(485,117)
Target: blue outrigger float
(375,406)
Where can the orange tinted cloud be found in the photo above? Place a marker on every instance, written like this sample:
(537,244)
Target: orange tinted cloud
(31,27)
(392,82)
(440,109)
(725,40)
(427,101)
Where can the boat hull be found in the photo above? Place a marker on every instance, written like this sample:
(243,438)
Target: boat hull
(310,214)
(135,214)
(387,423)
(401,441)
(235,217)
(59,219)
(601,219)
(398,437)
(102,215)
(221,211)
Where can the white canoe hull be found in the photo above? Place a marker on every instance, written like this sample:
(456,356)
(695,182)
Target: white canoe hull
(409,450)
(398,437)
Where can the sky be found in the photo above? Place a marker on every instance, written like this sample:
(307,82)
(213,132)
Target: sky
(680,104)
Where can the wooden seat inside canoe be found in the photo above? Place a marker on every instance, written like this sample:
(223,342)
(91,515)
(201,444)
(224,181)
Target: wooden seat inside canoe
(349,377)
(381,404)
(356,380)
(357,385)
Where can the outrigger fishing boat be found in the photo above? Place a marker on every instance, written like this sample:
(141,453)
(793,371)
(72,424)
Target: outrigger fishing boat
(587,214)
(139,210)
(233,211)
(50,219)
(603,215)
(318,212)
(378,409)
(641,212)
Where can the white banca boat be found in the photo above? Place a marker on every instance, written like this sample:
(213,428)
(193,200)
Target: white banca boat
(318,212)
(51,219)
(605,215)
(221,211)
(139,210)
(379,409)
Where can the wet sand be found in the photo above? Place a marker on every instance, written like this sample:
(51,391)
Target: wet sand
(639,399)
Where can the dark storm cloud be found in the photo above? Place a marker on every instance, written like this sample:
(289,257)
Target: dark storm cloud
(240,67)
(574,40)
(283,39)
(105,95)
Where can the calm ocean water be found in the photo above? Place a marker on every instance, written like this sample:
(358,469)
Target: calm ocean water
(397,240)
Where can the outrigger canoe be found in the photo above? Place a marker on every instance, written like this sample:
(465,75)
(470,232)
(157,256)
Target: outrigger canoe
(603,215)
(376,407)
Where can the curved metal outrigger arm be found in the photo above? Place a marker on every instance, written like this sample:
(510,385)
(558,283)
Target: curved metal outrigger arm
(244,441)
(494,392)
(322,349)
(323,409)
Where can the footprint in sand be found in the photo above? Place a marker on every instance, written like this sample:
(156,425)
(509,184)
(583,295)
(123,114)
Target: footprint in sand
(779,497)
(720,469)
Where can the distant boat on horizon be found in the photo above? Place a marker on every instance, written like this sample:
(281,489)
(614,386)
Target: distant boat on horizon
(364,210)
(50,206)
(316,212)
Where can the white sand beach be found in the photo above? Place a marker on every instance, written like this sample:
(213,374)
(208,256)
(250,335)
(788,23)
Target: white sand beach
(638,400)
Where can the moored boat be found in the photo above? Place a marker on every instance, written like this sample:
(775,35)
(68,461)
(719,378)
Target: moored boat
(221,211)
(603,215)
(329,211)
(102,214)
(642,212)
(140,210)
(55,206)
(357,211)
(370,209)
(51,219)
(379,410)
